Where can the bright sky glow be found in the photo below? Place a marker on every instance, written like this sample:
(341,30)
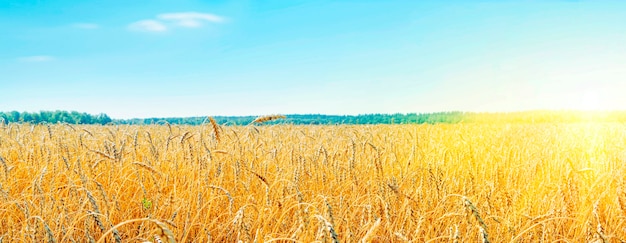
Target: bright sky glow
(158,58)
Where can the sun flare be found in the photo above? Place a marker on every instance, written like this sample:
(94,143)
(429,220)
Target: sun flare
(591,100)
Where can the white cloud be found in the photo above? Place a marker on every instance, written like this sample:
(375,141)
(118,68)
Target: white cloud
(190,19)
(36,58)
(148,25)
(164,21)
(88,26)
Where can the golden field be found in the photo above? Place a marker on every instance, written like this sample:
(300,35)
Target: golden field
(285,183)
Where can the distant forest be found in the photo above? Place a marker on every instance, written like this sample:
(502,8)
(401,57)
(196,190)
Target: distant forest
(73,117)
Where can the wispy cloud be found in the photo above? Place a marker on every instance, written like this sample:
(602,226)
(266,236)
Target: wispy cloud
(165,21)
(87,26)
(190,19)
(36,59)
(148,25)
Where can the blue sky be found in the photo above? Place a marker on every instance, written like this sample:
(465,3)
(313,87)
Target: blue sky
(195,58)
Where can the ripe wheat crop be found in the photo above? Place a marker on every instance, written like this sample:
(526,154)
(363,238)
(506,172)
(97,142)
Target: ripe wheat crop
(285,183)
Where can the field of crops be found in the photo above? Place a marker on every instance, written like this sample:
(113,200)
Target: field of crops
(417,183)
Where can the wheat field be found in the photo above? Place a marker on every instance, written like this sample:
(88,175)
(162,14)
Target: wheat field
(286,183)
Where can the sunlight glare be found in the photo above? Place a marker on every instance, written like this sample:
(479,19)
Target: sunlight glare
(590,100)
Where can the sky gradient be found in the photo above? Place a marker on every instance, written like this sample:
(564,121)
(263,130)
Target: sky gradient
(196,58)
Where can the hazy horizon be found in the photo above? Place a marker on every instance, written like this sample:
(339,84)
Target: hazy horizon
(145,59)
(555,111)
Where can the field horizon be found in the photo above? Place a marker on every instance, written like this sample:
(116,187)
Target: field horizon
(447,117)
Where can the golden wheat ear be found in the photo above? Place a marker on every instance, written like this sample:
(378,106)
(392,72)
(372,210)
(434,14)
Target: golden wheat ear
(262,119)
(216,128)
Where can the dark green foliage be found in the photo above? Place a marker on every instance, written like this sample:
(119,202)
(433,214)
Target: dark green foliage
(73,117)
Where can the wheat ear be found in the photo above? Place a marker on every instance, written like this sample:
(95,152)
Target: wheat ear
(165,232)
(216,128)
(483,226)
(262,119)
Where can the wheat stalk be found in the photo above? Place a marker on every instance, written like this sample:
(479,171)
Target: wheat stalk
(231,201)
(370,231)
(329,226)
(148,167)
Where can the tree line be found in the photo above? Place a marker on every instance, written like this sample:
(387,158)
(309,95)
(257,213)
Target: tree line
(546,116)
(72,117)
